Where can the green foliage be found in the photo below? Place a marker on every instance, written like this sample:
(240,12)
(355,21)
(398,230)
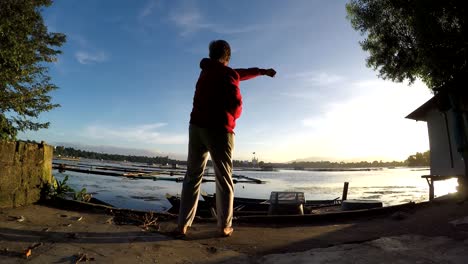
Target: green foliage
(414,39)
(419,159)
(25,48)
(82,195)
(61,188)
(56,189)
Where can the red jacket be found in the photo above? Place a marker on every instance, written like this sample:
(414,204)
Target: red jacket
(217,102)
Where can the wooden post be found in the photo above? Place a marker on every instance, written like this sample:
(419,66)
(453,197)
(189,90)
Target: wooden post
(430,182)
(345,191)
(431,190)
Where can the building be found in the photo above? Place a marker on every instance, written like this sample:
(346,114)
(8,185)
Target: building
(444,136)
(447,125)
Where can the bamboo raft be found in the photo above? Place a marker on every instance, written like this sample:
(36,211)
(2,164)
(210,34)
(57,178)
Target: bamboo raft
(155,174)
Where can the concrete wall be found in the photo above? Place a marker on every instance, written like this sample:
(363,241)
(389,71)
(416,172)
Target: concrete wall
(24,169)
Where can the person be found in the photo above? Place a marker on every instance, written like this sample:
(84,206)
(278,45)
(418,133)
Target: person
(217,104)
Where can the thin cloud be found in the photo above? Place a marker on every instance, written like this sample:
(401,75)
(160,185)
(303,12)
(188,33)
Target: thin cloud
(228,31)
(79,39)
(84,57)
(190,20)
(303,95)
(143,134)
(317,78)
(320,87)
(149,8)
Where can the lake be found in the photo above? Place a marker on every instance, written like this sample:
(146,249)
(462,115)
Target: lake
(389,185)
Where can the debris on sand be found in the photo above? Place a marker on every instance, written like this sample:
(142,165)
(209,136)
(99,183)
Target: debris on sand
(83,257)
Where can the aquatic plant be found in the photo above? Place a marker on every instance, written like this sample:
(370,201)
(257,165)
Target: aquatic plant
(61,189)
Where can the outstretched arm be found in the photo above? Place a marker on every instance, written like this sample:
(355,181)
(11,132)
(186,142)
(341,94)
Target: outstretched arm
(250,73)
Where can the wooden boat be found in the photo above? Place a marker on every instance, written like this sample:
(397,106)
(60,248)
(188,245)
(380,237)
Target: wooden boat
(329,214)
(316,214)
(203,209)
(249,206)
(262,205)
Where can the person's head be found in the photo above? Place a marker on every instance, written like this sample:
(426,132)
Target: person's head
(220,51)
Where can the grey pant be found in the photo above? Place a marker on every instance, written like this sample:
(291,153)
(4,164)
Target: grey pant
(219,144)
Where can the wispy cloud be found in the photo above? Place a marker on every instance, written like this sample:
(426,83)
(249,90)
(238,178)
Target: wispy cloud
(317,78)
(321,88)
(79,39)
(144,134)
(149,8)
(85,57)
(190,20)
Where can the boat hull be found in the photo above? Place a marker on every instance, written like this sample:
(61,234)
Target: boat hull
(248,206)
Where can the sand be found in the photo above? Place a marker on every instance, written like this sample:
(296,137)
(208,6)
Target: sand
(436,233)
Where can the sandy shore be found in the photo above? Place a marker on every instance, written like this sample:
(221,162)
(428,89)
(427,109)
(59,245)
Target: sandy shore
(436,233)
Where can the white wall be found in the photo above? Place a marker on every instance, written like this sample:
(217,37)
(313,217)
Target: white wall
(441,163)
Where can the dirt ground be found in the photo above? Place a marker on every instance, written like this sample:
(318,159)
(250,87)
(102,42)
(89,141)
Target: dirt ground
(435,233)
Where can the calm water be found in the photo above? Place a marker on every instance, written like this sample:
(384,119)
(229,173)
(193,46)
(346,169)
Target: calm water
(391,186)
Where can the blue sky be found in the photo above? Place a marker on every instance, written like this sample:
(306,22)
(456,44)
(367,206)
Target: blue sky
(128,71)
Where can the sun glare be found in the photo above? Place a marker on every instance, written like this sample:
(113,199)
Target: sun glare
(370,125)
(445,187)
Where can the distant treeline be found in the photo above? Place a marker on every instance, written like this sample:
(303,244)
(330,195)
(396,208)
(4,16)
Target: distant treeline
(71,152)
(361,164)
(418,159)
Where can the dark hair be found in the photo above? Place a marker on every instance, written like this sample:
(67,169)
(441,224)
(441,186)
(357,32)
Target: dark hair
(220,50)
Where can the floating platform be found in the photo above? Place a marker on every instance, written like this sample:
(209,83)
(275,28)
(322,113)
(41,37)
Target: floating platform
(175,175)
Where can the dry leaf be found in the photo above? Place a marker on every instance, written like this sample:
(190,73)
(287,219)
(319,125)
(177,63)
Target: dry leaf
(82,257)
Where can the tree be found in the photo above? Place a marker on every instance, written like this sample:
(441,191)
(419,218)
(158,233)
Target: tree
(419,159)
(25,48)
(409,39)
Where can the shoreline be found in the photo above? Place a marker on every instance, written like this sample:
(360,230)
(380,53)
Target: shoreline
(389,186)
(63,234)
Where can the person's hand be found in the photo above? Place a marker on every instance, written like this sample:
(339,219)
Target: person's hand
(270,72)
